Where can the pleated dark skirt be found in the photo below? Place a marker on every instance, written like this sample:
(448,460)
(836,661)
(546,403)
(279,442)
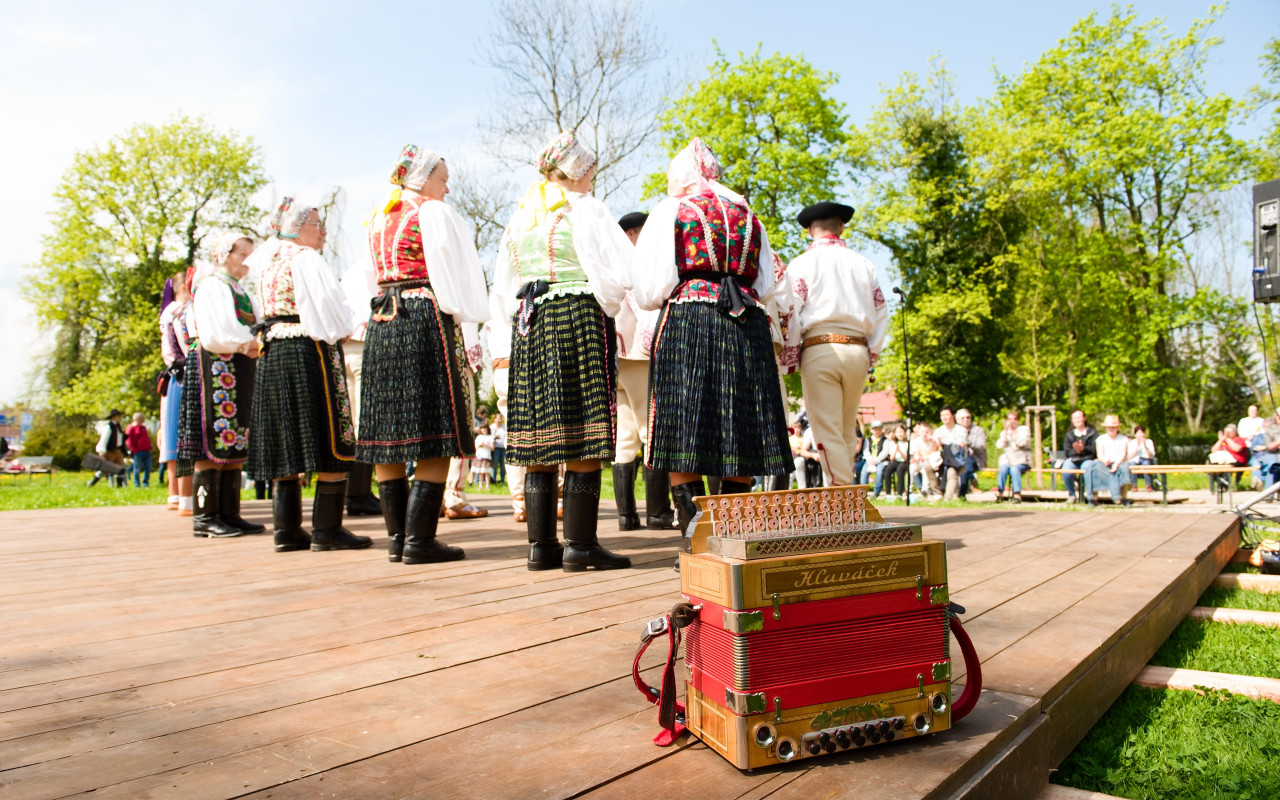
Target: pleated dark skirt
(301,411)
(563,384)
(217,406)
(416,392)
(714,403)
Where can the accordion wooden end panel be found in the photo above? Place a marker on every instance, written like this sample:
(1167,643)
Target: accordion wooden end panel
(819,628)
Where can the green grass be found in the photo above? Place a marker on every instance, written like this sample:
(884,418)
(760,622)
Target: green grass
(68,490)
(1157,743)
(1236,649)
(1220,597)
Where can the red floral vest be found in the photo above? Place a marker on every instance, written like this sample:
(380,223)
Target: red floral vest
(714,234)
(395,242)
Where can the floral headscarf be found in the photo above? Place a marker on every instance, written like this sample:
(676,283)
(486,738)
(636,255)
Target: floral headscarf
(569,154)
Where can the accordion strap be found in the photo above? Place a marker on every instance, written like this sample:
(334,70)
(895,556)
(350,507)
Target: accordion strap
(671,714)
(972,666)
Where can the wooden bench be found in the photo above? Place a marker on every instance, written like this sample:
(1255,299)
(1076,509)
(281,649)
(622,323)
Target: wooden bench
(30,465)
(1165,470)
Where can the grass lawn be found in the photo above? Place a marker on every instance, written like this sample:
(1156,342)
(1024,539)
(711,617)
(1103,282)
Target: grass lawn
(1236,649)
(1159,743)
(1219,597)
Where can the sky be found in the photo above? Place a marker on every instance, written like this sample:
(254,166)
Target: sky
(332,90)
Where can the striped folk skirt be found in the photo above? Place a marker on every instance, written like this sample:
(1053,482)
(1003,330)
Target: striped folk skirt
(301,411)
(217,405)
(562,391)
(714,403)
(416,394)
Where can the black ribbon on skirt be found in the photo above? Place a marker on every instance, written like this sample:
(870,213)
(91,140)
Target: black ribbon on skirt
(390,298)
(528,295)
(731,297)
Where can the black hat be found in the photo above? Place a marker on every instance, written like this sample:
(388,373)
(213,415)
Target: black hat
(635,219)
(824,210)
(115,412)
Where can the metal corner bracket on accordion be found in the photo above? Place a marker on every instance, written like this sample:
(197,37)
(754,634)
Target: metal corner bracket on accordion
(814,627)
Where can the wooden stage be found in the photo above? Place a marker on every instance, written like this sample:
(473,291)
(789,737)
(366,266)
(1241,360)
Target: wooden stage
(137,661)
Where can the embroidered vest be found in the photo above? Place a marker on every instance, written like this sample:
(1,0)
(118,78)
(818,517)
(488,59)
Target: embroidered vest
(244,306)
(395,242)
(545,252)
(714,234)
(276,283)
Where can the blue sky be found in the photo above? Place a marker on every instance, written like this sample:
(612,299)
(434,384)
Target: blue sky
(331,90)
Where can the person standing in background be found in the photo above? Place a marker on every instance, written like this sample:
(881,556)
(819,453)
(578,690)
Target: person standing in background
(110,447)
(138,439)
(499,431)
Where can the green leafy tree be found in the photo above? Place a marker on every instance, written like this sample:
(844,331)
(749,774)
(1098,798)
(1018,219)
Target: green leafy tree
(778,134)
(1111,133)
(126,216)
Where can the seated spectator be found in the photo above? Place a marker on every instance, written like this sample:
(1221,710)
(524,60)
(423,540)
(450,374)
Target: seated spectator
(975,450)
(1229,451)
(953,440)
(893,461)
(1251,424)
(870,451)
(1015,459)
(796,441)
(812,458)
(1142,451)
(926,460)
(1080,449)
(1109,471)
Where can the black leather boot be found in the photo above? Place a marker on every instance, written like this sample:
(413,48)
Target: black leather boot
(540,498)
(229,503)
(713,484)
(286,516)
(581,513)
(395,509)
(421,519)
(686,509)
(327,532)
(658,513)
(734,487)
(624,494)
(360,499)
(205,488)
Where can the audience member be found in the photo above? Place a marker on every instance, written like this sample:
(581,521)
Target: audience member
(1080,451)
(953,440)
(1251,424)
(926,460)
(1142,452)
(1230,450)
(1015,457)
(482,467)
(976,450)
(110,447)
(870,456)
(812,464)
(1271,444)
(138,439)
(893,462)
(1109,471)
(499,431)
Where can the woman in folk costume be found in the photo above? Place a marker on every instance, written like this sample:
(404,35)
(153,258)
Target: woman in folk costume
(562,273)
(301,411)
(416,402)
(175,341)
(715,406)
(218,390)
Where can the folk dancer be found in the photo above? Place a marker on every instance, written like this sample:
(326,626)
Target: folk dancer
(843,318)
(217,401)
(561,275)
(301,409)
(417,396)
(715,407)
(175,340)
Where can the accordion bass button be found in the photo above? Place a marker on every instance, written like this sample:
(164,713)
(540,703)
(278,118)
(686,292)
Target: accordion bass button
(898,723)
(813,747)
(843,740)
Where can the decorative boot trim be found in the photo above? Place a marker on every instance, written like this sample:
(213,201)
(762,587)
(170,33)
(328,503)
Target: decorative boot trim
(582,551)
(624,495)
(540,498)
(286,516)
(206,489)
(229,503)
(422,519)
(395,510)
(327,532)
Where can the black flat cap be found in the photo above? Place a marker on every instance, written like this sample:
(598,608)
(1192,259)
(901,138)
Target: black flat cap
(824,210)
(115,412)
(635,219)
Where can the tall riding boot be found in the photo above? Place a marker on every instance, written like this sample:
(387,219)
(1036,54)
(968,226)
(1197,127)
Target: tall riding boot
(658,513)
(624,494)
(229,503)
(422,518)
(581,513)
(327,532)
(713,484)
(540,497)
(395,509)
(206,485)
(686,509)
(360,499)
(286,516)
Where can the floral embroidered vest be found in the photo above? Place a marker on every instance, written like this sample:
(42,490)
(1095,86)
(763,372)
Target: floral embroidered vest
(545,252)
(395,242)
(244,306)
(276,284)
(714,234)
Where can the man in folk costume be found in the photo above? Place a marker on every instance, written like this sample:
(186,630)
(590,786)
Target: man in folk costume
(635,338)
(301,419)
(843,318)
(418,393)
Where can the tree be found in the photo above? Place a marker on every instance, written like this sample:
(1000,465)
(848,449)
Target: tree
(1111,134)
(778,134)
(127,216)
(486,201)
(582,66)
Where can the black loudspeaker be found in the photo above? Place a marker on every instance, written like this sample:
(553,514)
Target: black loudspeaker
(1266,258)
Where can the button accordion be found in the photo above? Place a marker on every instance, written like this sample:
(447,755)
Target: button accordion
(813,627)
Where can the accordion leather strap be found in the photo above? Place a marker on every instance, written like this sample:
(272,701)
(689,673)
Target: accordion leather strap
(972,667)
(671,713)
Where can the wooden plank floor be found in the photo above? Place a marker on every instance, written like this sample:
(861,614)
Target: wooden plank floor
(137,661)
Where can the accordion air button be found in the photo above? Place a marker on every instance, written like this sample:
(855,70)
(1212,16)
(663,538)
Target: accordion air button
(813,747)
(874,736)
(859,740)
(898,723)
(884,726)
(824,738)
(888,735)
(843,740)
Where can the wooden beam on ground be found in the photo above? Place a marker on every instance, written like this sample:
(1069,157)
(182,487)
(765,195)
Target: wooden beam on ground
(1236,616)
(1055,792)
(1268,584)
(1192,679)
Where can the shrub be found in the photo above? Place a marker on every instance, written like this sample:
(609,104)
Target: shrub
(65,440)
